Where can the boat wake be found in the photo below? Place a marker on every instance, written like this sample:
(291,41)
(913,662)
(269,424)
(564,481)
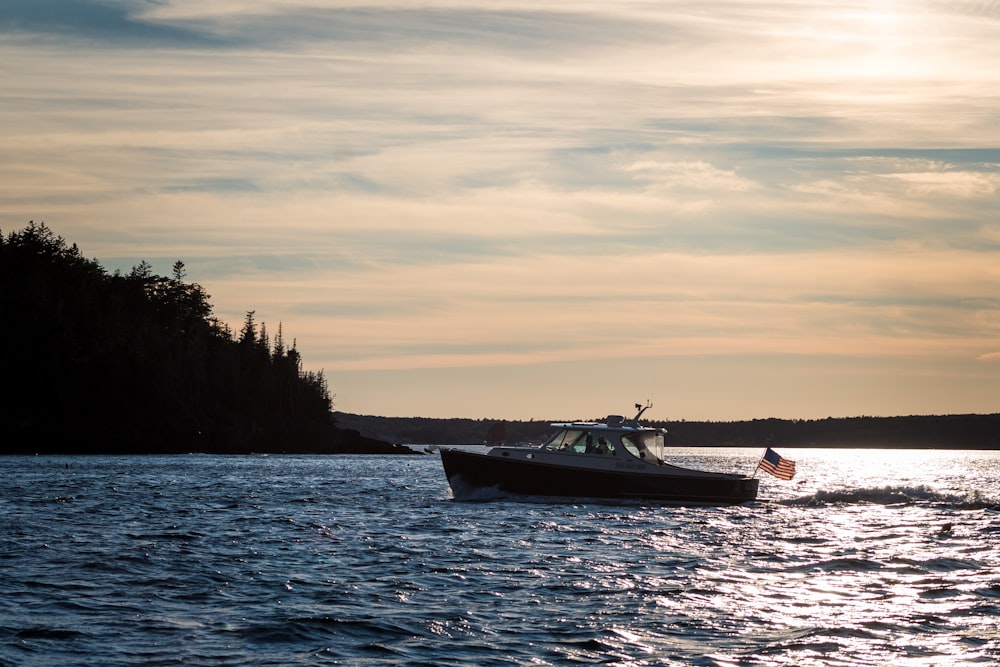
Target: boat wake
(477,494)
(895,495)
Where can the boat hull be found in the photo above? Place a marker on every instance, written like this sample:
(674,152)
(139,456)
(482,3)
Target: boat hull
(479,476)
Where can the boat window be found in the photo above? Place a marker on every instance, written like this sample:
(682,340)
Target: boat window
(631,445)
(567,438)
(646,445)
(604,446)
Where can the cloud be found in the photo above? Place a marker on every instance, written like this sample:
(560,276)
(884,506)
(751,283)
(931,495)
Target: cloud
(96,21)
(691,175)
(430,28)
(957,184)
(460,185)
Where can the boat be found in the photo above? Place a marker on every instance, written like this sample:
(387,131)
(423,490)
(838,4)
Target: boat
(616,459)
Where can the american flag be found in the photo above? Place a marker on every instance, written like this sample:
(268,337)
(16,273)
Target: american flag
(776,465)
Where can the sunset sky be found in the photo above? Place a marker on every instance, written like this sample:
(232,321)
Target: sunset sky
(733,209)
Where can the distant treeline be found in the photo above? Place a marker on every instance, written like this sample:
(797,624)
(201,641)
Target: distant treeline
(426,430)
(916,432)
(94,362)
(912,432)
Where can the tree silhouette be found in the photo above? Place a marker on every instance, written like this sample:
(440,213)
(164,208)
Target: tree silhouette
(137,363)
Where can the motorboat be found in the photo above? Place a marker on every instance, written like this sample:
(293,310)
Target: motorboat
(618,458)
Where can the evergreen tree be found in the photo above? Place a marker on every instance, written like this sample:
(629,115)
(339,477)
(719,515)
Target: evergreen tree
(137,363)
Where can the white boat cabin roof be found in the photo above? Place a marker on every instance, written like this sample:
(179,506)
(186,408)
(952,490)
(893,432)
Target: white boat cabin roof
(611,423)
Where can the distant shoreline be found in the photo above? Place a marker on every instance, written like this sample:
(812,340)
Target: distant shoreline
(970,431)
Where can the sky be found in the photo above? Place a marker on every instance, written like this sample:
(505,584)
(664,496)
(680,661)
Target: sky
(731,209)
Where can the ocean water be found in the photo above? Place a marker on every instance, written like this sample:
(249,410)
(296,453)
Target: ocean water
(865,558)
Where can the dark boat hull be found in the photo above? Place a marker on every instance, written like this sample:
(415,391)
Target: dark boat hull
(473,476)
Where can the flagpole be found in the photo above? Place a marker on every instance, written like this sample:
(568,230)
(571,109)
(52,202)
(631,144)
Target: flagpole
(754,475)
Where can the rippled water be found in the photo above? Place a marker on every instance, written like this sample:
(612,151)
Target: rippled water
(867,557)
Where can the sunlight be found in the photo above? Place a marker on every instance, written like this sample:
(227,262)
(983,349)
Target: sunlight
(886,33)
(876,41)
(881,17)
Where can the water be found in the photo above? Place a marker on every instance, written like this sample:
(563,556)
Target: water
(867,557)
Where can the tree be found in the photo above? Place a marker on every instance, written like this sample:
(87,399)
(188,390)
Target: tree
(136,362)
(178,271)
(142,271)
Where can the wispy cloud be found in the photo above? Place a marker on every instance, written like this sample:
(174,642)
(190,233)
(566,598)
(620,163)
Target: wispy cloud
(420,191)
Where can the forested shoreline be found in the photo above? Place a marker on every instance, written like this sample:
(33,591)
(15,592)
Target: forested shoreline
(98,362)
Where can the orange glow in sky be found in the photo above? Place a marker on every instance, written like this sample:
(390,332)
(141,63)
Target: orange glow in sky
(482,209)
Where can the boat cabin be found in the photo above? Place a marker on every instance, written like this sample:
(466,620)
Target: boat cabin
(609,439)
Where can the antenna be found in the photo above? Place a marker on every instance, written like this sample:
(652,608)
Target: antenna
(641,408)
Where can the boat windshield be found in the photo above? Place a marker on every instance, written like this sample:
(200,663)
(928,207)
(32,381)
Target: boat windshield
(564,438)
(581,441)
(646,445)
